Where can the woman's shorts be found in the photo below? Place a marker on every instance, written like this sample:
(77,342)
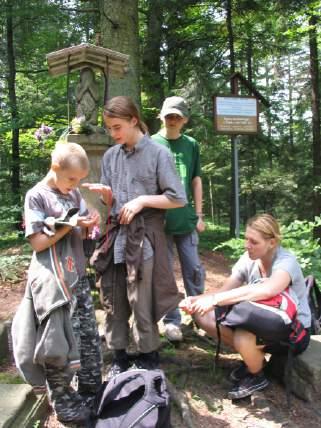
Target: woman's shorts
(268,326)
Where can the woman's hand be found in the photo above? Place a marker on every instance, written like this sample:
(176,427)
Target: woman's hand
(204,304)
(186,304)
(200,304)
(105,191)
(129,210)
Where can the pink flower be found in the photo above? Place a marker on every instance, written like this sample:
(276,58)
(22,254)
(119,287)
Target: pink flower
(95,233)
(42,133)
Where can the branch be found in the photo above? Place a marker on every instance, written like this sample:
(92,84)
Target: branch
(89,10)
(113,23)
(181,402)
(41,70)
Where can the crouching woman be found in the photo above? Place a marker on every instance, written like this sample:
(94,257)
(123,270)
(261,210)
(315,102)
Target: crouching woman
(261,308)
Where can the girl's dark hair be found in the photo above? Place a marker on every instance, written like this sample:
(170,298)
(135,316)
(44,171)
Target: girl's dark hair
(124,108)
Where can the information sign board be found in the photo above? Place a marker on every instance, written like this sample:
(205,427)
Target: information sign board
(235,115)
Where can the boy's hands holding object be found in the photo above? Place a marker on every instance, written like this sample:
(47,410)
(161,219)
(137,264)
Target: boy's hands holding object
(89,221)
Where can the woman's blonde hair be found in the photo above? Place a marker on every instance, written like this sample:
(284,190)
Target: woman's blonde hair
(266,225)
(122,107)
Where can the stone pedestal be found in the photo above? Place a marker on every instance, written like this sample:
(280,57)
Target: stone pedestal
(306,373)
(21,407)
(95,146)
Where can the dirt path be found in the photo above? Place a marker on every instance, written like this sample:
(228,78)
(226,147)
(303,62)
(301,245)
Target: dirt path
(189,366)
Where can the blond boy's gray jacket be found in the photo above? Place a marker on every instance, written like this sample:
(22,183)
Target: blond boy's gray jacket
(41,330)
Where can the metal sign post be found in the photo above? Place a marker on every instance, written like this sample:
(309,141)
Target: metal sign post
(236,140)
(237,115)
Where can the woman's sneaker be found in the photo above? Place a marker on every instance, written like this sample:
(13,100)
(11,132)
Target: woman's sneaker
(246,386)
(239,373)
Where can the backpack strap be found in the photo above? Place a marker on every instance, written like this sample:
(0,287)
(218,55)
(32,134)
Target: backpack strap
(314,299)
(151,399)
(113,388)
(218,346)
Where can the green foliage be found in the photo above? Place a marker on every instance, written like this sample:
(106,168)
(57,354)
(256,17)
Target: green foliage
(8,218)
(14,238)
(13,266)
(271,48)
(96,299)
(10,378)
(297,237)
(232,248)
(15,256)
(213,235)
(169,349)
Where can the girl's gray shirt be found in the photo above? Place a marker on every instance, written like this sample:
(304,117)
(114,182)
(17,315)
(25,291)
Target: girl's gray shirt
(148,169)
(248,271)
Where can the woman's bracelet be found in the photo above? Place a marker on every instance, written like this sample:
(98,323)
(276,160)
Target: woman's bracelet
(201,215)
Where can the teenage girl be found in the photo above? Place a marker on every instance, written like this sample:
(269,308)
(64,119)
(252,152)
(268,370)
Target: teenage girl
(138,183)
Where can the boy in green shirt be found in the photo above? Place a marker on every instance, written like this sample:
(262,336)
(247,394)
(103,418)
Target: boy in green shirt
(183,224)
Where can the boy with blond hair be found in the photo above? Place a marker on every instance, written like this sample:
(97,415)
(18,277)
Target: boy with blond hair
(56,335)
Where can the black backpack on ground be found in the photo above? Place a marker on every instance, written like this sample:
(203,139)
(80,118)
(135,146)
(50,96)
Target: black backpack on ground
(136,398)
(314,297)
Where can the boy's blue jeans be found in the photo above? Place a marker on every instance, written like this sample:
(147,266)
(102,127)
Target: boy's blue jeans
(192,270)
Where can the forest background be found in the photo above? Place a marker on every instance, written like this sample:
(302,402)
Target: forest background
(188,48)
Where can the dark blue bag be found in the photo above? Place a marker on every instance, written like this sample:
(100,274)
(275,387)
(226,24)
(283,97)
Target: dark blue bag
(136,398)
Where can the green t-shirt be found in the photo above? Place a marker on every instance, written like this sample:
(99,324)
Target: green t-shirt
(186,154)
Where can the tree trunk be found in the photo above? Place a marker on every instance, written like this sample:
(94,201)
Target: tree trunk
(250,153)
(119,31)
(290,101)
(315,106)
(211,198)
(11,81)
(268,118)
(152,79)
(234,90)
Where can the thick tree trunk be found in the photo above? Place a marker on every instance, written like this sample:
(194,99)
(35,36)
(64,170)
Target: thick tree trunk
(228,6)
(290,101)
(152,79)
(119,31)
(11,81)
(316,135)
(268,119)
(251,209)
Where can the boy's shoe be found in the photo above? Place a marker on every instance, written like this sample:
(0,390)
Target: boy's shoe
(239,373)
(173,332)
(88,399)
(147,361)
(81,418)
(249,384)
(120,364)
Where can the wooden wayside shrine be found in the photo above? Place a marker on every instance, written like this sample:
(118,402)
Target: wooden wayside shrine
(87,55)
